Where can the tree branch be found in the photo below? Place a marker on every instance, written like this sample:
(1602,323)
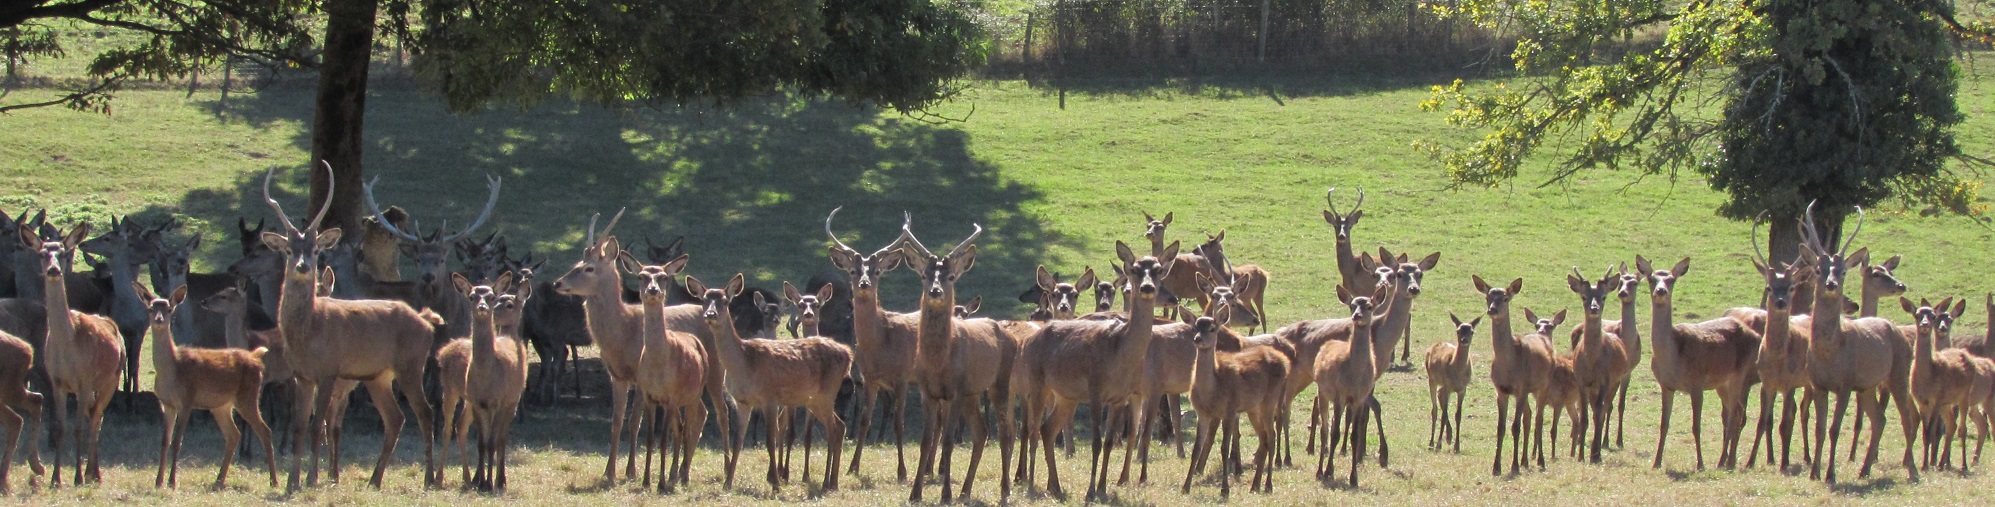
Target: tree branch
(72,98)
(15,17)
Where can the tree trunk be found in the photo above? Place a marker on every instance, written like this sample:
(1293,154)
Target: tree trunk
(336,120)
(1261,49)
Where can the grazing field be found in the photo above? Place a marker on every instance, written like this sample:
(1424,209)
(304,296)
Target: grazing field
(749,187)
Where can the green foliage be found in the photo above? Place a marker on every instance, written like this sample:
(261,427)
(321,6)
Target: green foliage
(1844,101)
(181,37)
(899,53)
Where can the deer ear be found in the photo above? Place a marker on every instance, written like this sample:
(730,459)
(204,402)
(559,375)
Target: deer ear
(1642,265)
(525,291)
(627,263)
(328,238)
(1122,252)
(1530,318)
(504,285)
(1577,285)
(1458,320)
(1891,264)
(326,276)
(194,245)
(1559,318)
(1220,237)
(1764,271)
(1170,257)
(790,293)
(1428,263)
(1682,266)
(1044,279)
(1354,216)
(826,292)
(271,240)
(975,304)
(1168,216)
(76,235)
(734,285)
(1087,279)
(609,247)
(676,265)
(1907,304)
(695,287)
(890,260)
(145,294)
(463,284)
(1344,295)
(964,261)
(1859,258)
(1516,286)
(1476,322)
(1329,218)
(760,301)
(1205,284)
(1480,285)
(1959,307)
(27,235)
(839,257)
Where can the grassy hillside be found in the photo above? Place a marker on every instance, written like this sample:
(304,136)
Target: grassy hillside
(749,188)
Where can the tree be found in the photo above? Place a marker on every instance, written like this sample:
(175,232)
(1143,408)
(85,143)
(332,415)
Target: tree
(186,36)
(1841,102)
(902,54)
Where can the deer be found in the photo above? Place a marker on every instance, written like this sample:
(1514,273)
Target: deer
(225,382)
(883,341)
(431,254)
(195,323)
(1941,379)
(1783,352)
(1600,360)
(1448,370)
(1561,389)
(554,324)
(1879,283)
(809,319)
(1346,373)
(120,248)
(955,361)
(248,328)
(616,328)
(1095,361)
(485,374)
(1248,283)
(339,342)
(1307,338)
(17,357)
(1167,369)
(1057,301)
(1404,276)
(1518,369)
(671,378)
(1716,355)
(83,355)
(1225,384)
(773,374)
(1843,354)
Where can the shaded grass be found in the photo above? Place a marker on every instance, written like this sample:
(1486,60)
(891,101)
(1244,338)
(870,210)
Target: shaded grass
(749,187)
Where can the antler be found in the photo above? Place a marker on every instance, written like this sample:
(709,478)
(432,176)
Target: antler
(1809,236)
(325,206)
(834,236)
(907,234)
(492,184)
(590,239)
(1330,198)
(279,209)
(1756,250)
(1852,237)
(967,241)
(611,227)
(367,198)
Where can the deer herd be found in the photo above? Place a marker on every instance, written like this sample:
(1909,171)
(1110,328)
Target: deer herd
(304,318)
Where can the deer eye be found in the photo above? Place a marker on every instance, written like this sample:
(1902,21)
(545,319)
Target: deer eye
(589,270)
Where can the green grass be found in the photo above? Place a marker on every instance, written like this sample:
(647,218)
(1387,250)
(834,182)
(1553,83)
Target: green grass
(749,188)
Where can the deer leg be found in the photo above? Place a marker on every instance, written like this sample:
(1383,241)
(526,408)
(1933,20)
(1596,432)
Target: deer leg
(862,415)
(1502,419)
(303,400)
(1697,425)
(966,407)
(392,420)
(168,418)
(1136,437)
(1315,418)
(899,405)
(1384,448)
(1906,413)
(1358,441)
(1873,409)
(1786,430)
(1201,444)
(1662,433)
(772,435)
(834,431)
(1764,428)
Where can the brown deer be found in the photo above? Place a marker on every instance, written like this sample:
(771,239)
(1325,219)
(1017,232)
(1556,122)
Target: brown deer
(1225,384)
(16,358)
(1843,354)
(616,328)
(1879,283)
(1600,360)
(120,249)
(225,382)
(489,372)
(338,342)
(955,361)
(1167,370)
(671,377)
(1559,389)
(1448,371)
(1518,369)
(1941,379)
(1352,274)
(773,374)
(1715,355)
(1391,328)
(1783,354)
(82,354)
(1094,361)
(1346,372)
(884,341)
(1307,338)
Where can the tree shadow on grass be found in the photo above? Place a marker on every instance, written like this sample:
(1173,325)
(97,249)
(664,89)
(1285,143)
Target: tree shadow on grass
(749,186)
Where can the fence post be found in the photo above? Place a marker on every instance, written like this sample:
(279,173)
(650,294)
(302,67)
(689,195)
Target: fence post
(1261,54)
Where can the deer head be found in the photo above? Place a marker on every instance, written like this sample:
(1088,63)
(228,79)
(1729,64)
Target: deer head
(1104,290)
(51,253)
(159,311)
(1362,307)
(1545,326)
(863,270)
(1497,299)
(1464,331)
(1592,294)
(1831,265)
(714,300)
(1780,277)
(1661,282)
(808,306)
(1153,229)
(1145,274)
(483,259)
(484,299)
(300,247)
(596,273)
(1927,315)
(430,252)
(965,310)
(1343,223)
(1206,327)
(1878,282)
(1060,297)
(1225,299)
(939,272)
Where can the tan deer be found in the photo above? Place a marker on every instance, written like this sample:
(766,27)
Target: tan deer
(672,376)
(1517,369)
(1448,371)
(1390,329)
(338,342)
(1557,389)
(1167,369)
(1352,274)
(1600,360)
(1346,373)
(225,382)
(616,328)
(1307,338)
(955,361)
(1717,355)
(884,341)
(493,377)
(1248,283)
(1879,283)
(1094,361)
(432,254)
(83,355)
(1783,354)
(1225,384)
(1844,354)
(1941,379)
(16,358)
(773,374)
